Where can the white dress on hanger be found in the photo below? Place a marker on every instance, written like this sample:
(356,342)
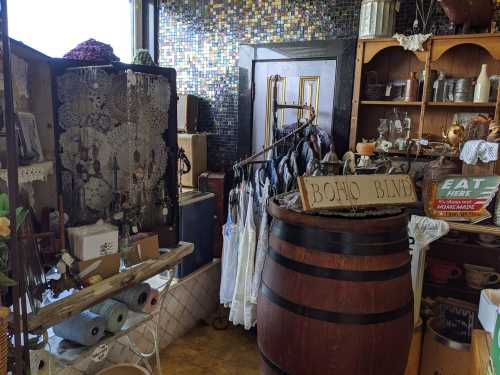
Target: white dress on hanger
(243,311)
(262,243)
(231,235)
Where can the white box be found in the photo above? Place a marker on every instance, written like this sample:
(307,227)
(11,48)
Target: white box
(93,241)
(489,304)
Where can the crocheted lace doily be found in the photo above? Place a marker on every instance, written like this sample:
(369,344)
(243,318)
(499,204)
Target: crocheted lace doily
(31,173)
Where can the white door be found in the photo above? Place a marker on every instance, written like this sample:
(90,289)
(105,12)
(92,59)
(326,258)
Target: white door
(301,82)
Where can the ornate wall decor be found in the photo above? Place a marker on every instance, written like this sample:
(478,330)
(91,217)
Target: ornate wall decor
(112,142)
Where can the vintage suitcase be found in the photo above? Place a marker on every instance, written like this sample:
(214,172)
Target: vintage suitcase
(187,113)
(195,147)
(196,222)
(216,183)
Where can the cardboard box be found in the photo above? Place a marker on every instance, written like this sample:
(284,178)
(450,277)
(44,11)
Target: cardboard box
(93,241)
(195,147)
(145,246)
(488,308)
(105,267)
(187,113)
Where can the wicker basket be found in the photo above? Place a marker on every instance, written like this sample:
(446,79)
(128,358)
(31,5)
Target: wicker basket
(4,315)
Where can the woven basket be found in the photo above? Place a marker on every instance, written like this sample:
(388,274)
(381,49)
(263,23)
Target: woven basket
(4,315)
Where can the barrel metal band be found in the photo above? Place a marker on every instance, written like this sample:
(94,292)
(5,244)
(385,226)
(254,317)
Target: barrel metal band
(338,274)
(332,316)
(273,366)
(389,242)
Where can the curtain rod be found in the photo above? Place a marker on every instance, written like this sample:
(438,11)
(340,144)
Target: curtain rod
(89,66)
(270,147)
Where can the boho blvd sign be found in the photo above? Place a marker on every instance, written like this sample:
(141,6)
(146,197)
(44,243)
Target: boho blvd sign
(323,192)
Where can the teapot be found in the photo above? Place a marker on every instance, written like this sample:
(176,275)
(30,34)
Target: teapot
(454,136)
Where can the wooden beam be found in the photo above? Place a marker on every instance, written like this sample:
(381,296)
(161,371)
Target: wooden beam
(476,228)
(83,299)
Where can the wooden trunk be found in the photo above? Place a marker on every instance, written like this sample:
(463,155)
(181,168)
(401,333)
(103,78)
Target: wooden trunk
(195,147)
(216,183)
(336,296)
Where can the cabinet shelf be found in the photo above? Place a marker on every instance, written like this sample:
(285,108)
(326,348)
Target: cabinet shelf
(457,290)
(475,228)
(461,105)
(457,56)
(395,103)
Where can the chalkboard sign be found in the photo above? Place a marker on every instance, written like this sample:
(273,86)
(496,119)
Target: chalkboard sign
(458,319)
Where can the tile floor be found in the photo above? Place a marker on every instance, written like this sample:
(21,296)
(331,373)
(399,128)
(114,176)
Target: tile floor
(206,351)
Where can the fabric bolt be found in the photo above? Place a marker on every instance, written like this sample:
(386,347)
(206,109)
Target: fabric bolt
(242,310)
(86,328)
(262,244)
(231,235)
(135,297)
(114,312)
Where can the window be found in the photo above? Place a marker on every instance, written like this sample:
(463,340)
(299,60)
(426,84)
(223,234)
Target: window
(56,26)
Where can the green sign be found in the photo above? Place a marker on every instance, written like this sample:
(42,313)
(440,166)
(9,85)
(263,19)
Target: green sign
(459,196)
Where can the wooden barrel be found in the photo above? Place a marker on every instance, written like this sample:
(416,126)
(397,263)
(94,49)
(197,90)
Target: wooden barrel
(336,296)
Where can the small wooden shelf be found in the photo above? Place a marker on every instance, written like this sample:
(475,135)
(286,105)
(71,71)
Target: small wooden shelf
(457,290)
(395,103)
(74,354)
(63,309)
(456,56)
(423,152)
(461,105)
(475,228)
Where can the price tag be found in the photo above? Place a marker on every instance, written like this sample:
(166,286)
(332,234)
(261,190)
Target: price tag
(164,211)
(135,229)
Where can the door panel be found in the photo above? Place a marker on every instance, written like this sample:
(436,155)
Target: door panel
(300,82)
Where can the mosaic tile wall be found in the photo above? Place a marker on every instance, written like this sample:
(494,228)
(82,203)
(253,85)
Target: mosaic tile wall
(201,38)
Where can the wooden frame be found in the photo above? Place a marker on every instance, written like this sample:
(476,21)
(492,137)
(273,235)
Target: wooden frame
(440,53)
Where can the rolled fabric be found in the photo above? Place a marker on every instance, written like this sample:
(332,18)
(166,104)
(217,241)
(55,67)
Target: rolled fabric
(114,312)
(152,302)
(136,297)
(86,328)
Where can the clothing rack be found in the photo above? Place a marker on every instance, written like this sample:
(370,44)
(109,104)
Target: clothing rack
(274,144)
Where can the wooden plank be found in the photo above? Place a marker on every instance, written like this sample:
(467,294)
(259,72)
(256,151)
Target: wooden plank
(475,228)
(481,351)
(394,103)
(462,105)
(322,192)
(425,93)
(87,297)
(356,96)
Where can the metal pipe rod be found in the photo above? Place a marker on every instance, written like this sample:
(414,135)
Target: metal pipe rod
(270,147)
(89,67)
(12,176)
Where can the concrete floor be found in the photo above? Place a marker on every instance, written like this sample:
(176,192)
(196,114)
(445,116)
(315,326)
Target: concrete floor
(206,351)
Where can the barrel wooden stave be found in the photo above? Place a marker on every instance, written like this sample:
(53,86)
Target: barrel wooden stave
(299,331)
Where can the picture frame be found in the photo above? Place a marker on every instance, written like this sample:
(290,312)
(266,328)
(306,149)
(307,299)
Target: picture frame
(29,136)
